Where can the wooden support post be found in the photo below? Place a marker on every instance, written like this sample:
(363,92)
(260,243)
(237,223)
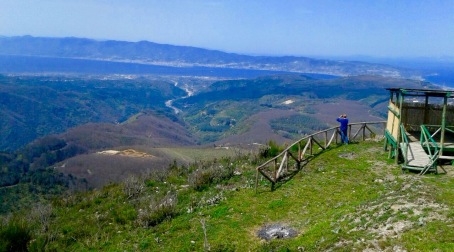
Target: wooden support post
(425,120)
(326,139)
(256,179)
(386,144)
(401,101)
(294,158)
(310,141)
(299,152)
(364,132)
(281,167)
(287,158)
(266,176)
(356,134)
(443,125)
(332,137)
(304,150)
(316,142)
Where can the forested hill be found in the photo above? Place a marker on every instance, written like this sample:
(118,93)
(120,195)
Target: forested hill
(145,52)
(35,106)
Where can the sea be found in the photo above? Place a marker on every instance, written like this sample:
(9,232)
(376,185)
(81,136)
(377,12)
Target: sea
(34,64)
(439,74)
(442,77)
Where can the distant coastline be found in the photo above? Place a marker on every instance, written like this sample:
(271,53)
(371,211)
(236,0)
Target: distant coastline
(36,64)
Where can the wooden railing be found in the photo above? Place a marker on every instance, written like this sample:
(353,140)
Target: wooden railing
(431,146)
(302,151)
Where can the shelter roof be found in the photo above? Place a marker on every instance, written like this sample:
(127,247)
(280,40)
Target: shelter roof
(423,92)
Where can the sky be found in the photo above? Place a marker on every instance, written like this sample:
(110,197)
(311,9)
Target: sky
(377,28)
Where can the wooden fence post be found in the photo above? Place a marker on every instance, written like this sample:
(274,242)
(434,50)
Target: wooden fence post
(326,139)
(310,140)
(256,180)
(299,151)
(364,132)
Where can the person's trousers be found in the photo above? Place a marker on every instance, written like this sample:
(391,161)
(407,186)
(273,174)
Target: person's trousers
(344,136)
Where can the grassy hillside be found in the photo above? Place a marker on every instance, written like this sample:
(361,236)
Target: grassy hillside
(347,198)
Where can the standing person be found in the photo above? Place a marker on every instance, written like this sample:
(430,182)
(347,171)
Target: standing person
(343,128)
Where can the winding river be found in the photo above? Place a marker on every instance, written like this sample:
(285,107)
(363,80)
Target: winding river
(189,93)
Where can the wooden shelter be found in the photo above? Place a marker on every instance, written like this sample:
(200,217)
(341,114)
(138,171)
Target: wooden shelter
(419,128)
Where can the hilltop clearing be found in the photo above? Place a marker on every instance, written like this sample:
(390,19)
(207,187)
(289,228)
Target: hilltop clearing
(347,198)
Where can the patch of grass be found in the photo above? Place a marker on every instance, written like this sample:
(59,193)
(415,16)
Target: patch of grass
(435,236)
(15,234)
(220,212)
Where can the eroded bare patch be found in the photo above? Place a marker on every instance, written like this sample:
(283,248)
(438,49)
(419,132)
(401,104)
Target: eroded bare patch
(276,231)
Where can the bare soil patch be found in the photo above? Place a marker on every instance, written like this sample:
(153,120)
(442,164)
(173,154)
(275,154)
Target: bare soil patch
(127,153)
(276,231)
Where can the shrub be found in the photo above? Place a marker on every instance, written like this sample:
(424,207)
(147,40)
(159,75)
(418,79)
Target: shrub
(41,213)
(158,211)
(211,200)
(272,150)
(133,187)
(203,177)
(15,234)
(158,175)
(176,170)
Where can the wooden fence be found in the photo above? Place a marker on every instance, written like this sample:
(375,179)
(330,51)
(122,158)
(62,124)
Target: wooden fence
(302,151)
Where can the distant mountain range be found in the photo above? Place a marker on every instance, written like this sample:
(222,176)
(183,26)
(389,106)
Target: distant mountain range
(149,53)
